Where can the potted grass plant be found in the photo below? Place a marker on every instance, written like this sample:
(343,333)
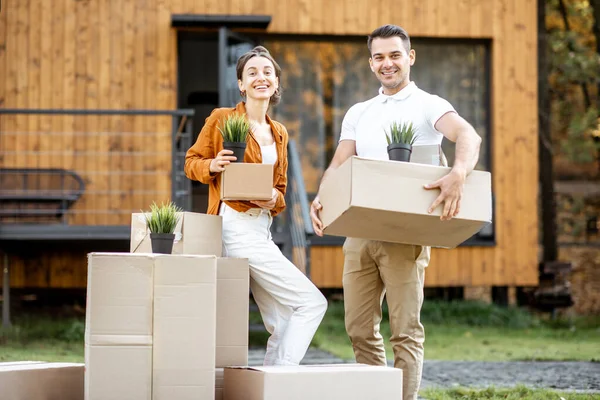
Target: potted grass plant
(161,222)
(400,139)
(234,130)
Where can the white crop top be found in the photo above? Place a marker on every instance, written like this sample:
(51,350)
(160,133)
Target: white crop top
(269,154)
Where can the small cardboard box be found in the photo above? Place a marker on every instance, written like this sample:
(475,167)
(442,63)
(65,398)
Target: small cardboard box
(314,382)
(233,282)
(247,181)
(386,200)
(41,381)
(185,303)
(195,233)
(118,328)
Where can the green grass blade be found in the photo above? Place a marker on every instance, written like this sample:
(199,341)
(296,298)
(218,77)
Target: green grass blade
(234,128)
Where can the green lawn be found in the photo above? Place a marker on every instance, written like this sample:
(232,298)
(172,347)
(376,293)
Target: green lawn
(42,337)
(42,350)
(480,332)
(519,393)
(454,331)
(456,342)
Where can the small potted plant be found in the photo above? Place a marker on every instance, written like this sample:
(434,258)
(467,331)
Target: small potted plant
(161,222)
(234,130)
(400,140)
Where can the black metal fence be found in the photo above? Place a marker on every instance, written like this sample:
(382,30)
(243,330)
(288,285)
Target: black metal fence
(35,163)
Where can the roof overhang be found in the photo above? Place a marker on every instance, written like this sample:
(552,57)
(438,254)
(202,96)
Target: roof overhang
(217,21)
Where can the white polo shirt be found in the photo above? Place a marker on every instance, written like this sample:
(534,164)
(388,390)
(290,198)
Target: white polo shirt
(367,122)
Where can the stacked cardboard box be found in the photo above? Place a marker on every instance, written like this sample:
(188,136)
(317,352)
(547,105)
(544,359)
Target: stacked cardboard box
(150,326)
(201,234)
(233,282)
(176,327)
(195,233)
(158,326)
(184,327)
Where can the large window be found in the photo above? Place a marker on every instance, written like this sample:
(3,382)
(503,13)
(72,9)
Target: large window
(322,78)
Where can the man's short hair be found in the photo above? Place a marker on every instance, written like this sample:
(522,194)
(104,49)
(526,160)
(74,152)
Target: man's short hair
(388,31)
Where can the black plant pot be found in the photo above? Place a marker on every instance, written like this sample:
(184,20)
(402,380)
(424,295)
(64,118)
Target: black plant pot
(238,148)
(399,152)
(162,243)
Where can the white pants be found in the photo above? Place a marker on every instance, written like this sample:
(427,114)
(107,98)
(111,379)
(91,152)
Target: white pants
(291,306)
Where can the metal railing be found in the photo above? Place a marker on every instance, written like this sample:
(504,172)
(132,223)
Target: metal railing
(117,155)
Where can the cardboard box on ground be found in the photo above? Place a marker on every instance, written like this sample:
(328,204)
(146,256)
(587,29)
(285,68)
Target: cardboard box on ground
(387,201)
(314,382)
(38,380)
(247,181)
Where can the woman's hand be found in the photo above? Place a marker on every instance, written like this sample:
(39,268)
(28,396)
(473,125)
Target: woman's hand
(221,160)
(267,204)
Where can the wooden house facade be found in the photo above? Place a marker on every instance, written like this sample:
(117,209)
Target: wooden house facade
(162,56)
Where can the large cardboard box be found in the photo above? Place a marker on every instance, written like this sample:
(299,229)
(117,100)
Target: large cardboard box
(184,327)
(41,381)
(150,326)
(247,181)
(196,233)
(118,329)
(233,281)
(314,382)
(386,200)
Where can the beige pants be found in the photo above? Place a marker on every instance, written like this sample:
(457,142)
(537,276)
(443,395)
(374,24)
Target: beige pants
(372,270)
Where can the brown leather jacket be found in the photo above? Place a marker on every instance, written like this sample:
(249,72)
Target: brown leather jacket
(210,143)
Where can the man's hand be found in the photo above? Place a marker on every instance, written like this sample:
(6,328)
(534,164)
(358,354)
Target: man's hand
(345,150)
(315,207)
(451,187)
(267,204)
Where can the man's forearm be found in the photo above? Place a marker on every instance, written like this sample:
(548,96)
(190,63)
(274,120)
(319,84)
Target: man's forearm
(345,150)
(327,172)
(467,152)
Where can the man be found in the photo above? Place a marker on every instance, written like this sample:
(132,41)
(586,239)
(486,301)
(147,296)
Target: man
(373,269)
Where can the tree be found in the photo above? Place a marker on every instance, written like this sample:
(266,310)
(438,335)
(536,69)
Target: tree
(573,28)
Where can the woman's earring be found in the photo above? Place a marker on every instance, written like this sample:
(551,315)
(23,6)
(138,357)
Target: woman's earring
(243,93)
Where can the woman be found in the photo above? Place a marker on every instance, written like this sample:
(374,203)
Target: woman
(291,306)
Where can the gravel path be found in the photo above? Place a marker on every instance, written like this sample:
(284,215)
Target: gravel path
(567,376)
